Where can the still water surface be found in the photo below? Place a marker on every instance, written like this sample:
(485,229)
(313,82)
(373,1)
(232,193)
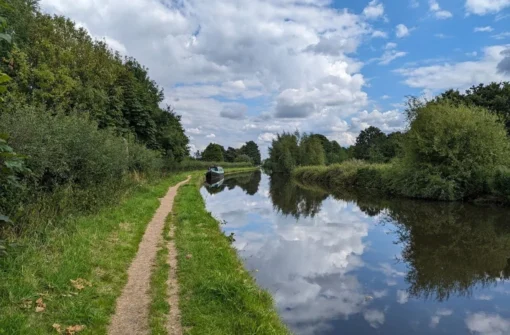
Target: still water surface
(358,264)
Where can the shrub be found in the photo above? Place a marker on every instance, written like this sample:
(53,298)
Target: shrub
(501,184)
(450,152)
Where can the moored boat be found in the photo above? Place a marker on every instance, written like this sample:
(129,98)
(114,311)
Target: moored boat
(214,174)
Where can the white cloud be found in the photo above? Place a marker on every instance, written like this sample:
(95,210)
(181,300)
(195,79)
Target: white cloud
(289,54)
(390,55)
(211,136)
(501,36)
(385,97)
(483,29)
(374,10)
(487,324)
(483,7)
(438,12)
(402,297)
(414,3)
(440,313)
(390,45)
(374,317)
(459,75)
(267,137)
(402,31)
(379,34)
(472,54)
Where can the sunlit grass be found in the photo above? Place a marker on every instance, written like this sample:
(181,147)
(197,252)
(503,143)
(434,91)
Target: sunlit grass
(217,295)
(98,248)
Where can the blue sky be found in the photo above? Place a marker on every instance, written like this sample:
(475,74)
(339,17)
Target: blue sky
(240,70)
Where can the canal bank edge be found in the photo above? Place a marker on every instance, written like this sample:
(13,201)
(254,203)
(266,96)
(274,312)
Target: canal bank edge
(217,295)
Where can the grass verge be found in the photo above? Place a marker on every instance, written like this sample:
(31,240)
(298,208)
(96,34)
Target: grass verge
(95,250)
(217,295)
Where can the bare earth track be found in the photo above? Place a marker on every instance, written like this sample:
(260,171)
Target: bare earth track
(132,310)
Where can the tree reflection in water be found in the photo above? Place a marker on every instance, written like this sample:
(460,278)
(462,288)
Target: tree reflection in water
(449,247)
(290,199)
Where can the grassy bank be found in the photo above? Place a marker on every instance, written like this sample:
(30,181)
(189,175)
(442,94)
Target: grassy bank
(391,179)
(96,248)
(217,295)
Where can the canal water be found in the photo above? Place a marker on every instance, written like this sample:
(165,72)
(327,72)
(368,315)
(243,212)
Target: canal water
(352,263)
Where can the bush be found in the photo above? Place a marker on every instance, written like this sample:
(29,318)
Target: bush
(72,165)
(450,152)
(501,184)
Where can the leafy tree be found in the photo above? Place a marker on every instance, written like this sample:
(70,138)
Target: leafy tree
(230,154)
(243,158)
(369,145)
(252,150)
(213,153)
(312,151)
(284,153)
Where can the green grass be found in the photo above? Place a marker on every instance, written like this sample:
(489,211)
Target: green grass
(97,248)
(217,295)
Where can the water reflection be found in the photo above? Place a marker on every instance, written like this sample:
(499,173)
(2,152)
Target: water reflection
(362,264)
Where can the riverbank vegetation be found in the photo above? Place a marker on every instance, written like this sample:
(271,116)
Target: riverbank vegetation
(217,295)
(453,149)
(248,153)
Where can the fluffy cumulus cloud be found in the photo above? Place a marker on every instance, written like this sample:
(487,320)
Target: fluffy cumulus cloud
(493,66)
(438,12)
(225,64)
(402,31)
(483,7)
(374,10)
(487,324)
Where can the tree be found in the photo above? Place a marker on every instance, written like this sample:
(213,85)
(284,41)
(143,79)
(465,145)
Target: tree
(312,151)
(284,153)
(213,153)
(252,150)
(369,145)
(243,159)
(230,155)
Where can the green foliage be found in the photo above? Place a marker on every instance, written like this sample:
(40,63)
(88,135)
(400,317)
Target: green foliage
(495,97)
(213,153)
(284,153)
(454,149)
(312,151)
(59,66)
(374,146)
(243,158)
(230,155)
(251,149)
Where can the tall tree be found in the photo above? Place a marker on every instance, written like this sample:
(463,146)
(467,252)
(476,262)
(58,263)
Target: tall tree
(213,153)
(251,149)
(369,145)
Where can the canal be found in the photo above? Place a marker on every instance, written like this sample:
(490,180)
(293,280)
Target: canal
(358,263)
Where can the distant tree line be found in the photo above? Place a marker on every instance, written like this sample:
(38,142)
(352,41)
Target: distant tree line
(249,152)
(291,150)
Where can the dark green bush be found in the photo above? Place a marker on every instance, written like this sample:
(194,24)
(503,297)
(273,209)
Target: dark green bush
(502,182)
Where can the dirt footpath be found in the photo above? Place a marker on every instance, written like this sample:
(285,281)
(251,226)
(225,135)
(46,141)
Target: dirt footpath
(132,310)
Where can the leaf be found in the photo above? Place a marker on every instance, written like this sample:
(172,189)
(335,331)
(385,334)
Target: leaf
(57,327)
(41,306)
(6,37)
(80,283)
(74,329)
